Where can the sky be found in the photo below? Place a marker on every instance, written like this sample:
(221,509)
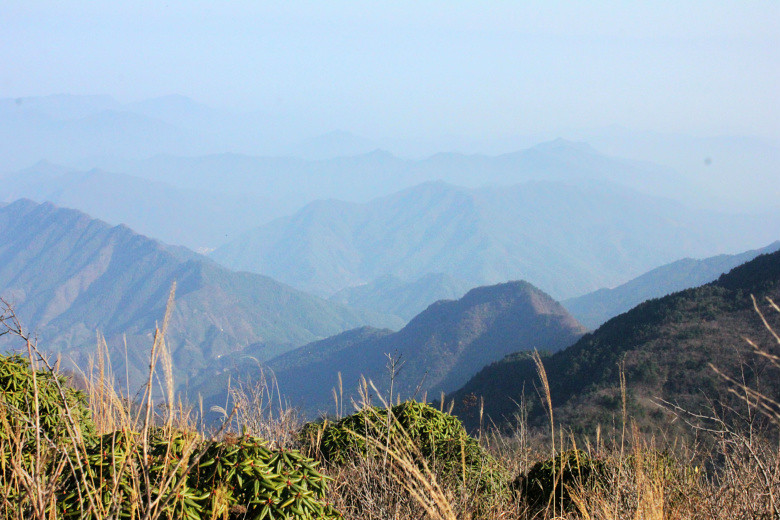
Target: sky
(415,69)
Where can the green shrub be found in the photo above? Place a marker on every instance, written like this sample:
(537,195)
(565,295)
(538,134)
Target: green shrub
(552,479)
(18,407)
(238,478)
(419,429)
(21,414)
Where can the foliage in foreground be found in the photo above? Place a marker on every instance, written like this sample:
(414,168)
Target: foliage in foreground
(56,464)
(29,397)
(410,461)
(238,478)
(554,479)
(432,437)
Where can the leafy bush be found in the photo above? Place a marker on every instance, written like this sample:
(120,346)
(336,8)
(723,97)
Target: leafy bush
(191,478)
(17,401)
(238,478)
(425,432)
(552,479)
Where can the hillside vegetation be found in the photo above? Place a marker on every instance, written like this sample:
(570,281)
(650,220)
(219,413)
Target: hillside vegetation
(595,308)
(100,456)
(664,347)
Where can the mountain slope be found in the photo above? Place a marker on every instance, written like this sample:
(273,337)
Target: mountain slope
(195,218)
(68,275)
(595,308)
(391,295)
(567,239)
(439,349)
(664,346)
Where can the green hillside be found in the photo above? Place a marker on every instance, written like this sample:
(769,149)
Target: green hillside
(665,347)
(595,308)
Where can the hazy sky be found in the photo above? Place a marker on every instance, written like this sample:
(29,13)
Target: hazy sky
(416,68)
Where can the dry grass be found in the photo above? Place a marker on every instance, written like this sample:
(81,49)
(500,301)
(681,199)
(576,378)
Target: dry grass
(259,410)
(734,474)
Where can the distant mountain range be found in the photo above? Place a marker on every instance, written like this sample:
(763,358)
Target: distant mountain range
(568,239)
(595,308)
(436,351)
(297,180)
(68,129)
(69,275)
(240,191)
(88,132)
(664,346)
(731,172)
(199,182)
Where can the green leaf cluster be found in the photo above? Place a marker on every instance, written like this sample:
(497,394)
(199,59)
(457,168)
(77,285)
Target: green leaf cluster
(238,478)
(112,475)
(18,405)
(554,478)
(426,433)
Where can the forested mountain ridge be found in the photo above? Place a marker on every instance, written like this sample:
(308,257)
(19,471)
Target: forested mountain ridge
(595,308)
(664,346)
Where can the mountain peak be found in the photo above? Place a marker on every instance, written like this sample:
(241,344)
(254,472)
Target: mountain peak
(23,205)
(378,154)
(441,347)
(518,297)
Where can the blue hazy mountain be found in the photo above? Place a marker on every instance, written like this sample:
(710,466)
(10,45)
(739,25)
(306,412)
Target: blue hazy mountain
(391,295)
(295,181)
(566,238)
(68,276)
(70,129)
(196,218)
(731,172)
(88,132)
